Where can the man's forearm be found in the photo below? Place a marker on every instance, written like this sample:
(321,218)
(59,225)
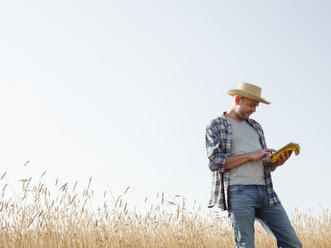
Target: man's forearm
(236,160)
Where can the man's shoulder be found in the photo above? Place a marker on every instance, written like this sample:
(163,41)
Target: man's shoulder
(218,122)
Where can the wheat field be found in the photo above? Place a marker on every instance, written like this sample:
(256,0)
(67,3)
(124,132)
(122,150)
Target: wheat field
(60,216)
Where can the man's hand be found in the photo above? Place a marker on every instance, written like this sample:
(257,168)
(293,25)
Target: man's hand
(258,155)
(282,158)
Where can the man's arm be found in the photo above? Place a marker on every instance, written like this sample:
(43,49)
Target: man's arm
(216,155)
(237,160)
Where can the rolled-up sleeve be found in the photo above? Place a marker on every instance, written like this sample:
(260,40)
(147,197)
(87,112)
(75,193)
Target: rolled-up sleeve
(216,156)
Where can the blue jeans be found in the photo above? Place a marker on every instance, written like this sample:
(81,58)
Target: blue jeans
(250,202)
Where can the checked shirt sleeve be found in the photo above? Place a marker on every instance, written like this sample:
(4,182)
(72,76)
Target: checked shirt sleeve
(216,156)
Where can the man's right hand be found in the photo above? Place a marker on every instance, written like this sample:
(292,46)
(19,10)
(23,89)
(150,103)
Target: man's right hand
(259,154)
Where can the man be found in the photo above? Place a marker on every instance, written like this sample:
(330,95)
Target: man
(241,180)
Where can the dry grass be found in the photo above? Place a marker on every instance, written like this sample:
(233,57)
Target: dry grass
(41,217)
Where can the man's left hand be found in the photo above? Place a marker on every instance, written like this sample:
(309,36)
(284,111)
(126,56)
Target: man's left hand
(282,158)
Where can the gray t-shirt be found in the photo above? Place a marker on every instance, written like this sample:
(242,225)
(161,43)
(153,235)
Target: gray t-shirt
(245,140)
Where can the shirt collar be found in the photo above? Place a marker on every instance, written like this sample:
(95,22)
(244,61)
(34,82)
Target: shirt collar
(249,121)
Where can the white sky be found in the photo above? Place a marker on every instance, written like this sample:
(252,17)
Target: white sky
(122,91)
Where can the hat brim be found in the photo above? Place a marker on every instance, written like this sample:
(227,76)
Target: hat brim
(236,92)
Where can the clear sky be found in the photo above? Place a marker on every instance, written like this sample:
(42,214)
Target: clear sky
(122,91)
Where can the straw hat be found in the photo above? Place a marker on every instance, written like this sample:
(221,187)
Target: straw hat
(250,91)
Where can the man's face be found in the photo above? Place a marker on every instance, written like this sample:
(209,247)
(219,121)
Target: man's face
(246,107)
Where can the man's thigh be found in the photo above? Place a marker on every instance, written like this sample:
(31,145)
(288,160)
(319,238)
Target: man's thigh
(276,219)
(242,215)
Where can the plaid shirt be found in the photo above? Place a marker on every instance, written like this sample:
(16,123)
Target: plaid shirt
(218,144)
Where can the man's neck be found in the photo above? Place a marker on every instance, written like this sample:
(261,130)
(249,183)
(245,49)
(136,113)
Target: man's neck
(231,113)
